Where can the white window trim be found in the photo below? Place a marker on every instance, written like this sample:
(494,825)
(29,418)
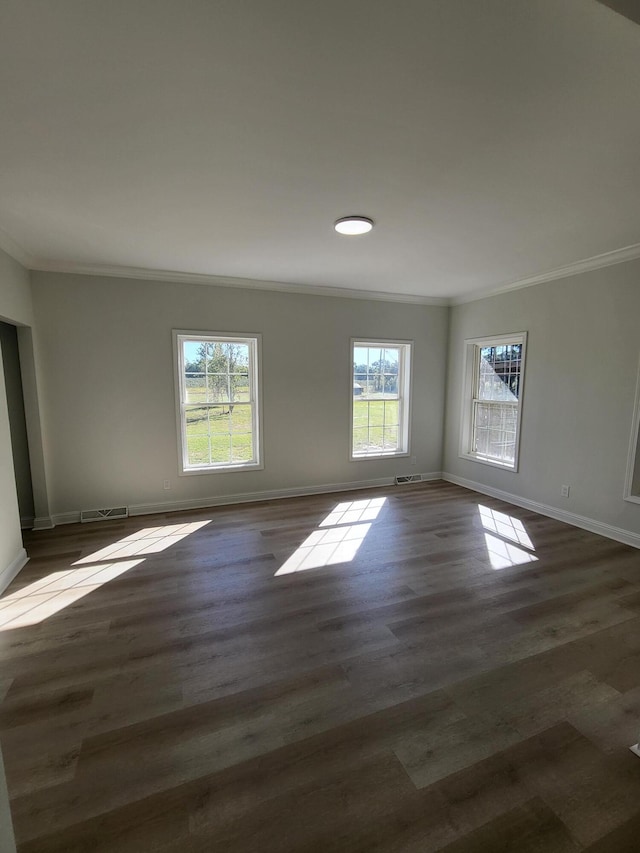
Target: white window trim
(471,346)
(255,354)
(405,398)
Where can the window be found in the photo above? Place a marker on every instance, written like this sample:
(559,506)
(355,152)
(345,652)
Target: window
(380,398)
(217,388)
(494,370)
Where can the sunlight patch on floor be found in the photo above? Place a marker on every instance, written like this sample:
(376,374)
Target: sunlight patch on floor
(503,555)
(44,598)
(150,540)
(505,526)
(326,548)
(49,595)
(352,512)
(338,538)
(501,531)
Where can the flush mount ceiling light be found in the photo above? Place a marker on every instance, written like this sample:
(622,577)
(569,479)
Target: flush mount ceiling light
(352,225)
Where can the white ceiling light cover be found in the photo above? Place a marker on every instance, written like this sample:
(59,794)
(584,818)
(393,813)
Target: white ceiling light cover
(353,225)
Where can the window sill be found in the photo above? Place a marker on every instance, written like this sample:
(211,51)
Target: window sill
(222,469)
(390,455)
(634,499)
(493,463)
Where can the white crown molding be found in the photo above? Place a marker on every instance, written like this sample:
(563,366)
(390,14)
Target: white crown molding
(248,497)
(607,259)
(147,274)
(15,250)
(619,534)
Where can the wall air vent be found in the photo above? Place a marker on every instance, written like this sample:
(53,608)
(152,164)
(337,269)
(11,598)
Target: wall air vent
(103,514)
(408,478)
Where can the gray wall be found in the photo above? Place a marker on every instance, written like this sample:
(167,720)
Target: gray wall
(17,423)
(15,293)
(109,399)
(15,306)
(582,362)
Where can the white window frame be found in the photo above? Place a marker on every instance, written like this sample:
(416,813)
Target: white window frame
(254,341)
(404,397)
(471,366)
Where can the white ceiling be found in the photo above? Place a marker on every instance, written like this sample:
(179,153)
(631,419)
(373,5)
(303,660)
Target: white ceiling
(490,141)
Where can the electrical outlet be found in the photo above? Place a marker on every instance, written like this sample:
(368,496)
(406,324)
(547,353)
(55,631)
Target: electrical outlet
(166,484)
(564,491)
(414,460)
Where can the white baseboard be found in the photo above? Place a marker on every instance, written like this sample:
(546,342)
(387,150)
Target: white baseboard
(43,522)
(26,522)
(9,573)
(246,497)
(627,537)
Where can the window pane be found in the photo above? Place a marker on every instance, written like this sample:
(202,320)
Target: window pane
(391,438)
(391,385)
(376,413)
(195,386)
(495,443)
(198,450)
(392,359)
(495,431)
(359,384)
(499,373)
(391,412)
(241,421)
(360,413)
(197,421)
(193,355)
(210,355)
(375,439)
(360,439)
(242,448)
(219,420)
(238,355)
(226,357)
(482,441)
(218,386)
(221,448)
(240,388)
(482,416)
(360,359)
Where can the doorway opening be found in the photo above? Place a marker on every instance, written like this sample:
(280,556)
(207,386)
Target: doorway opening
(17,422)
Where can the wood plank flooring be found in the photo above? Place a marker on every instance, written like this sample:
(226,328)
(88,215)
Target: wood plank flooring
(443,672)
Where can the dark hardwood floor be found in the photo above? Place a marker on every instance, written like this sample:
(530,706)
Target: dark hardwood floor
(417,668)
